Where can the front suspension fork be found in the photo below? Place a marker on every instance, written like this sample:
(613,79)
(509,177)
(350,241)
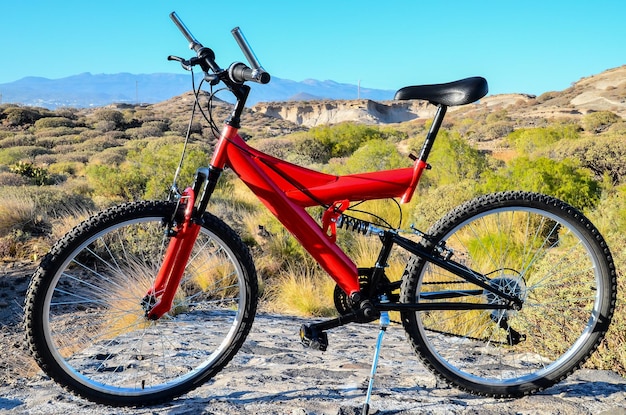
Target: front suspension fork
(178,251)
(160,297)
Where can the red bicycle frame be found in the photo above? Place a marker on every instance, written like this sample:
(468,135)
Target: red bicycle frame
(287,189)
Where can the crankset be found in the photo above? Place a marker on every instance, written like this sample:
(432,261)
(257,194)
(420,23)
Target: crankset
(345,305)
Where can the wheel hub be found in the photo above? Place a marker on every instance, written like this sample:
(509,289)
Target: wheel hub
(512,285)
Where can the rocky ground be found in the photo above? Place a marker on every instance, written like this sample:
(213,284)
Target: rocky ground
(273,374)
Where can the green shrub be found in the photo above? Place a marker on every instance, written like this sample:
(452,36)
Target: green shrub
(562,179)
(117,182)
(343,139)
(453,159)
(15,116)
(18,140)
(311,149)
(147,172)
(110,117)
(38,175)
(529,140)
(599,121)
(374,155)
(66,168)
(53,122)
(9,156)
(604,155)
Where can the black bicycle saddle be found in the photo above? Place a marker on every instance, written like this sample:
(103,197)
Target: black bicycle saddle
(464,91)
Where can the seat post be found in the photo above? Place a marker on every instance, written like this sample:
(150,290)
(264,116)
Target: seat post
(432,133)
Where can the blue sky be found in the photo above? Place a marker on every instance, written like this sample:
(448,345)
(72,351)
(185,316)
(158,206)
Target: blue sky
(519,46)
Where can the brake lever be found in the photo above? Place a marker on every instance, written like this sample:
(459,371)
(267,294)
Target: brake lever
(183,62)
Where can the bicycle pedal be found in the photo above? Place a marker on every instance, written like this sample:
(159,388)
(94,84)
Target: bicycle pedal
(313,339)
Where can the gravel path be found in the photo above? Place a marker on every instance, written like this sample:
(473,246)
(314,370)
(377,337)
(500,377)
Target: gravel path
(273,374)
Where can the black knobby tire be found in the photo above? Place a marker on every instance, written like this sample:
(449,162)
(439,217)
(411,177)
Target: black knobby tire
(85,321)
(536,248)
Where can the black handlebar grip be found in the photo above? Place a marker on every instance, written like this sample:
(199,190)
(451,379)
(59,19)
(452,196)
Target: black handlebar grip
(245,48)
(240,73)
(193,43)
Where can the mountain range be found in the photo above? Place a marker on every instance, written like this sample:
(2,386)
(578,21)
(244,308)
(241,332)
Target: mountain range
(92,90)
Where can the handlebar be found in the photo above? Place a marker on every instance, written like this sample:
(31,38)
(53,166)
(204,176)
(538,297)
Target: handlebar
(193,43)
(238,72)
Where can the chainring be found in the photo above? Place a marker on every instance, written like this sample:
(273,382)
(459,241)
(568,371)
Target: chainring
(342,303)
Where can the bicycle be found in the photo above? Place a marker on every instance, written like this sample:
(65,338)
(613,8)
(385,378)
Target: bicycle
(504,296)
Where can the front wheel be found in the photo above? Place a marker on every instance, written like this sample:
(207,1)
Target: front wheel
(85,308)
(532,247)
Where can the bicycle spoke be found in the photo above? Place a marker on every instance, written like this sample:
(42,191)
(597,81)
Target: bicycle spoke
(95,307)
(544,256)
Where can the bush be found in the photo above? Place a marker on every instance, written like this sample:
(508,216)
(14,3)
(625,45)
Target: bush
(145,131)
(312,149)
(529,140)
(116,182)
(112,156)
(453,159)
(9,156)
(18,140)
(343,139)
(435,202)
(13,179)
(564,180)
(67,168)
(98,144)
(53,122)
(277,147)
(15,116)
(55,132)
(375,155)
(147,171)
(38,175)
(597,122)
(180,127)
(602,155)
(108,117)
(493,131)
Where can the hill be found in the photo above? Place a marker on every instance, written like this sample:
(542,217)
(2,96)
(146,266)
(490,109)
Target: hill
(92,90)
(603,92)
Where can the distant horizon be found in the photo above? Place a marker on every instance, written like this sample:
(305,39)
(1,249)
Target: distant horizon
(312,79)
(87,90)
(4,100)
(175,73)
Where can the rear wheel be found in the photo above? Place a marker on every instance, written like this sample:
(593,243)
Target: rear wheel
(85,319)
(532,247)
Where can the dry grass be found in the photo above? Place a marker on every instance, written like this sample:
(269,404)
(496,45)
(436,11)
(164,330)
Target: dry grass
(17,212)
(302,290)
